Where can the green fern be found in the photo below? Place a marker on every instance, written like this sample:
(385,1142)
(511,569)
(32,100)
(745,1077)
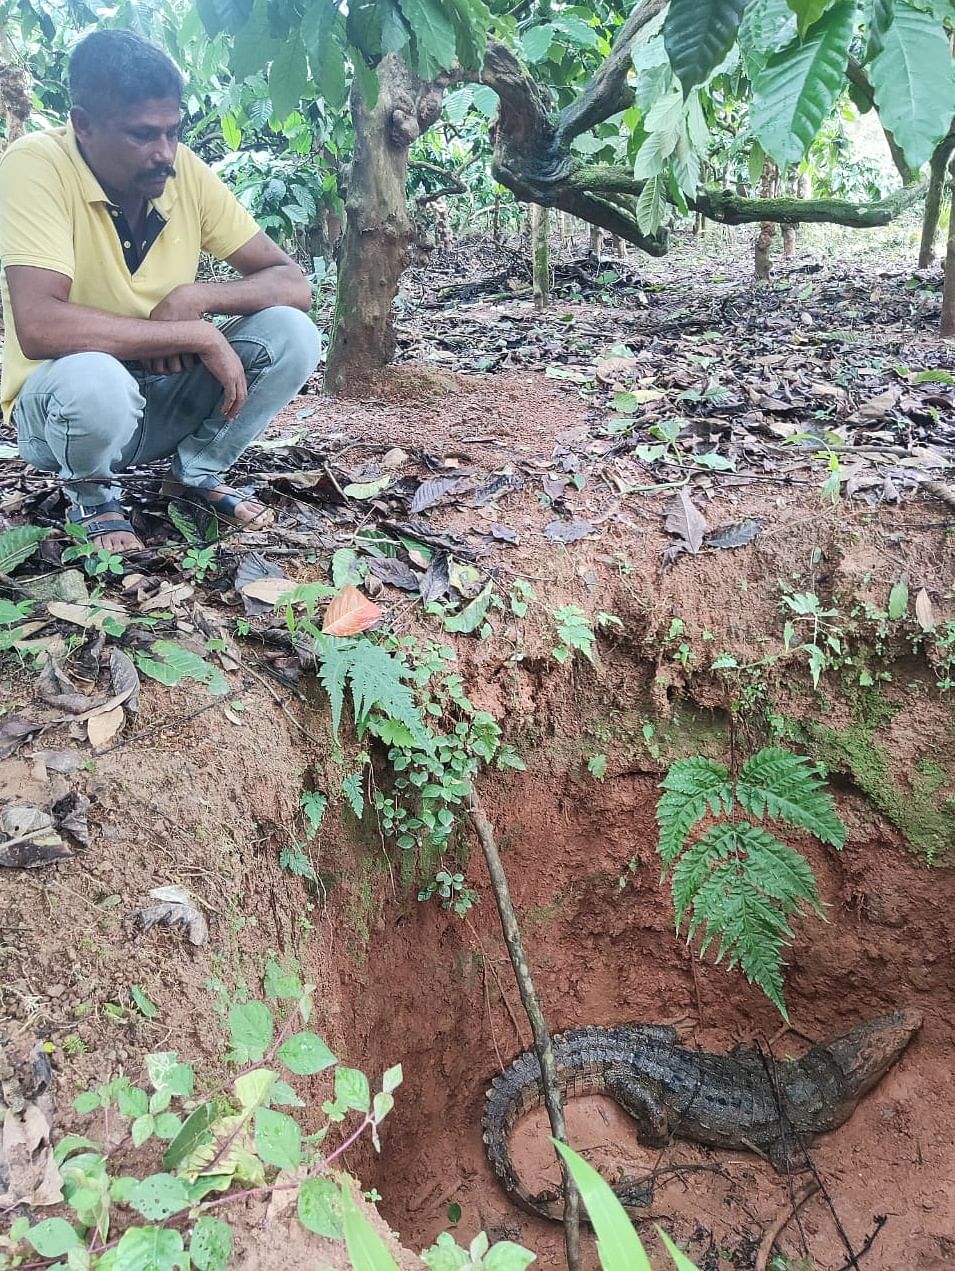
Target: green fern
(738,884)
(376,679)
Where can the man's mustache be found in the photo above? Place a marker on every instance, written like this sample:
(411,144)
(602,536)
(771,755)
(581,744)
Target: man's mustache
(167,170)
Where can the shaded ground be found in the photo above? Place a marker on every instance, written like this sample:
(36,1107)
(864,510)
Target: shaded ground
(540,479)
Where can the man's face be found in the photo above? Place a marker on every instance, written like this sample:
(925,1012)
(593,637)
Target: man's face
(131,152)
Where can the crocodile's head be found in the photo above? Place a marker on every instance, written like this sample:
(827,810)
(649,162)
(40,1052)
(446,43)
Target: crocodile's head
(867,1052)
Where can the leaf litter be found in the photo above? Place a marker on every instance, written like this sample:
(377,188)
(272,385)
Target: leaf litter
(177,910)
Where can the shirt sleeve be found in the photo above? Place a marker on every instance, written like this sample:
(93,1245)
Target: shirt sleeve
(226,225)
(35,223)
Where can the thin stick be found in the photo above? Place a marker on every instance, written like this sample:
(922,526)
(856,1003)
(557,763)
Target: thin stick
(542,1043)
(786,1214)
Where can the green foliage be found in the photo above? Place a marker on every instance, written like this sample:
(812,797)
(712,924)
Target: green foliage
(913,79)
(18,545)
(737,883)
(96,560)
(574,633)
(376,679)
(313,805)
(698,34)
(296,860)
(170,663)
(798,86)
(618,1244)
(231,1139)
(451,890)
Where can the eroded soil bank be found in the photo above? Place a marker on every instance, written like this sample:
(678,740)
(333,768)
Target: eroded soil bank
(695,663)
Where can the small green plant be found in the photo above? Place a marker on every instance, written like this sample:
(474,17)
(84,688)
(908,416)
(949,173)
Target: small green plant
(597,767)
(737,882)
(574,634)
(96,560)
(824,645)
(294,858)
(210,1151)
(313,804)
(200,561)
(452,891)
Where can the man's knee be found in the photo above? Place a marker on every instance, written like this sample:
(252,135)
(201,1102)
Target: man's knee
(96,391)
(292,338)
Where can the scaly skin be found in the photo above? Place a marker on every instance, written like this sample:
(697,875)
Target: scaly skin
(739,1100)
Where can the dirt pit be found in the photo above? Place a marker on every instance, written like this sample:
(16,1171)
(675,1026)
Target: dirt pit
(439,997)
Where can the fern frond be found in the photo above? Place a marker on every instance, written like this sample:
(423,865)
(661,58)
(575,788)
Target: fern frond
(690,787)
(334,661)
(693,869)
(377,681)
(785,787)
(777,870)
(752,932)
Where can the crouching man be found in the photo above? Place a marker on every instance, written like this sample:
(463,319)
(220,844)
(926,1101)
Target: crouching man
(108,359)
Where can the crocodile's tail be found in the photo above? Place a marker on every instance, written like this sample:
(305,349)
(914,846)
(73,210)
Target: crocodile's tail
(512,1093)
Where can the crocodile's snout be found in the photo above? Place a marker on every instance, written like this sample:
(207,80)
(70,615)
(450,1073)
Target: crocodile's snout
(867,1052)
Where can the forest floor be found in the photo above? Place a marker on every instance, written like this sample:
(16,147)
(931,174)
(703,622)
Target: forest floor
(672,446)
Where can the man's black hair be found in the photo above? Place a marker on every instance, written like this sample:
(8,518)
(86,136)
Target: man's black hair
(113,69)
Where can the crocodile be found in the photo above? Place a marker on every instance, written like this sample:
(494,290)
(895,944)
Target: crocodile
(742,1100)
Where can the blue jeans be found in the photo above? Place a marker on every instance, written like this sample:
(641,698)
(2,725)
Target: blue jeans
(89,417)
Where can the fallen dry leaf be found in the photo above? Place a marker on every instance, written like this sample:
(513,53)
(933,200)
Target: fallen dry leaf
(351,612)
(94,614)
(31,838)
(55,688)
(125,678)
(924,611)
(167,597)
(687,521)
(14,733)
(70,815)
(568,531)
(103,726)
(28,1173)
(268,590)
(176,908)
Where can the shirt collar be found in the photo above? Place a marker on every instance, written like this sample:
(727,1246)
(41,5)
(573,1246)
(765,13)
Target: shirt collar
(93,192)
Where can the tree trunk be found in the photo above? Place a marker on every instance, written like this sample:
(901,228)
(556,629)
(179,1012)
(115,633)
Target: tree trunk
(15,100)
(767,230)
(496,217)
(538,219)
(933,201)
(619,247)
(596,240)
(948,294)
(378,227)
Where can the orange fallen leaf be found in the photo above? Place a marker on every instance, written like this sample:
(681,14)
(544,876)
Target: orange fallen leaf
(350,612)
(103,727)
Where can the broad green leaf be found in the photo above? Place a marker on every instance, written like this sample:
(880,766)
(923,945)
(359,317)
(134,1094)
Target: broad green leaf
(617,1241)
(167,1074)
(472,615)
(348,567)
(306,1054)
(351,1089)
(536,41)
(170,663)
(196,1130)
(69,1144)
(320,1207)
(878,18)
(698,34)
(53,1237)
(807,12)
(211,1245)
(797,88)
(10,613)
(576,30)
(366,1249)
(278,1140)
(288,76)
(142,1129)
(433,32)
(159,1196)
(283,1095)
(651,205)
(251,1026)
(913,79)
(18,545)
(507,1256)
(777,784)
(767,26)
(253,1088)
(392,1079)
(150,1249)
(143,1004)
(898,601)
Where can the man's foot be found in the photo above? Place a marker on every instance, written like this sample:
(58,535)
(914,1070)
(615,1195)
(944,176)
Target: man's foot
(229,505)
(107,526)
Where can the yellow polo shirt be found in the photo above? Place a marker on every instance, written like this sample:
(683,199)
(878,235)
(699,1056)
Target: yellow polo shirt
(55,215)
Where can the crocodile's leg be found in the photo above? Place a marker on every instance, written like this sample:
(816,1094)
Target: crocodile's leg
(638,1098)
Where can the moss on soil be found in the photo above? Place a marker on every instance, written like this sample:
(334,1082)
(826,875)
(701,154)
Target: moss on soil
(914,808)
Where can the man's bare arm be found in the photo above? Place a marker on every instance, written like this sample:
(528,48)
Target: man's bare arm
(269,277)
(48,325)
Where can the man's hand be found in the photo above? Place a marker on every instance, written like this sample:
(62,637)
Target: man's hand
(183,304)
(173,365)
(221,361)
